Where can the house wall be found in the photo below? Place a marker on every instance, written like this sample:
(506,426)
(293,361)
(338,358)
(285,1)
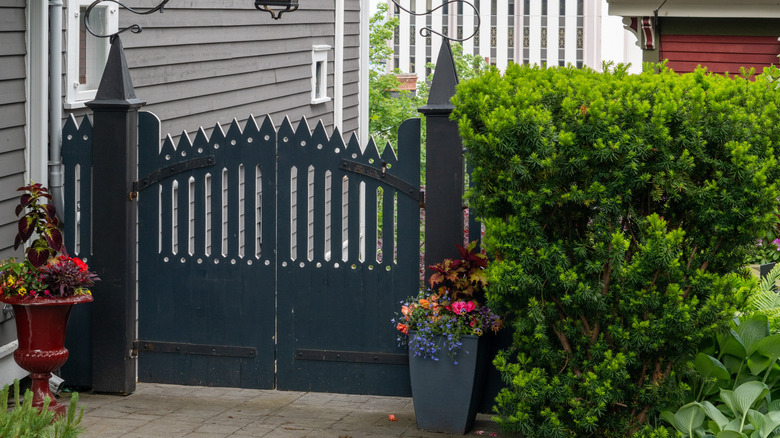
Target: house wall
(12,116)
(202,62)
(721,44)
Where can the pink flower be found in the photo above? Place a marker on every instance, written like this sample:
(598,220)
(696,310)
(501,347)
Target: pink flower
(461,307)
(777,243)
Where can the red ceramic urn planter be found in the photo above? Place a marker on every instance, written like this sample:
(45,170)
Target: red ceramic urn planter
(40,327)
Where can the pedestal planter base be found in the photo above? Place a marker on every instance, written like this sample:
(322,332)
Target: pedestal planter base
(446,396)
(40,327)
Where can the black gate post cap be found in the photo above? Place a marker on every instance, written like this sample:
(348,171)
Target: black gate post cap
(116,88)
(445,78)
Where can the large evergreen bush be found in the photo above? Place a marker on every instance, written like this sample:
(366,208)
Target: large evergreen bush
(619,209)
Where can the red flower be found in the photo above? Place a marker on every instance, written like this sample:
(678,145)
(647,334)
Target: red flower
(402,328)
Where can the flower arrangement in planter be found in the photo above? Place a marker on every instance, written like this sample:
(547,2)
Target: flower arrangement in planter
(454,306)
(43,273)
(451,316)
(42,288)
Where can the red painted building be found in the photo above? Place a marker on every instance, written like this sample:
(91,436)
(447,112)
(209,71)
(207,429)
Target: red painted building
(723,35)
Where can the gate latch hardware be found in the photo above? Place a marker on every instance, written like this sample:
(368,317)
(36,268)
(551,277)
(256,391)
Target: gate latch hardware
(195,349)
(160,174)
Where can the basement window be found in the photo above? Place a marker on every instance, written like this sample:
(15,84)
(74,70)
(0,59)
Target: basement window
(86,54)
(319,73)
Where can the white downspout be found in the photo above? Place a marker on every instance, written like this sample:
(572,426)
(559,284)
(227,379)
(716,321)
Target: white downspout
(338,68)
(55,106)
(37,92)
(364,66)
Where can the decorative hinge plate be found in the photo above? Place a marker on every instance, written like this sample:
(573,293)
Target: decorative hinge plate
(196,349)
(173,169)
(352,356)
(383,176)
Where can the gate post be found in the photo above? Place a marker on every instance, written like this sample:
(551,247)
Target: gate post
(114,160)
(444,165)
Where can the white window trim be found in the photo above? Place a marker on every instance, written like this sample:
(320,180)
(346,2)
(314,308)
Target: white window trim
(75,98)
(319,55)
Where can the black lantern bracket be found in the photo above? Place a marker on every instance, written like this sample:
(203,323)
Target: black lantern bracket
(427,30)
(265,5)
(135,28)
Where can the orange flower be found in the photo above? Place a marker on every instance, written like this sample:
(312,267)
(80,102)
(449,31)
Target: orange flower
(425,303)
(402,328)
(405,310)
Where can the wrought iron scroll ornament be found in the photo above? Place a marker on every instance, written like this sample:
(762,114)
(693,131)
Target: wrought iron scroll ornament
(427,31)
(135,28)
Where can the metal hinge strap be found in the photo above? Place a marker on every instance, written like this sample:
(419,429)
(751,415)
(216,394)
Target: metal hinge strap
(173,169)
(381,175)
(196,349)
(352,356)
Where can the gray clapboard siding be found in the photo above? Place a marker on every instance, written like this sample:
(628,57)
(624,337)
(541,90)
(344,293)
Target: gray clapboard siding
(12,116)
(209,61)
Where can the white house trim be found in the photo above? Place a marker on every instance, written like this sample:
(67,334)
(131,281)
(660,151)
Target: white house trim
(37,85)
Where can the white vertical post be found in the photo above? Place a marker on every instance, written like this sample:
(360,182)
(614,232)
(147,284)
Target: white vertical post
(484,31)
(468,29)
(591,53)
(502,34)
(436,24)
(553,24)
(403,41)
(535,37)
(571,32)
(419,40)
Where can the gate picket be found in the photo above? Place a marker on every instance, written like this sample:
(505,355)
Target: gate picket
(250,278)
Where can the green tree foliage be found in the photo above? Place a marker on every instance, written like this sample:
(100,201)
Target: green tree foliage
(388,108)
(618,208)
(386,111)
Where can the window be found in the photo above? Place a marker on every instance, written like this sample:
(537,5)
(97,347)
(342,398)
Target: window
(319,73)
(86,55)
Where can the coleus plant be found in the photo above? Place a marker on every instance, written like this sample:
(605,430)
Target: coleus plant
(39,219)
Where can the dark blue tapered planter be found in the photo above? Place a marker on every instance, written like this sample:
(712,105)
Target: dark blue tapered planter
(446,396)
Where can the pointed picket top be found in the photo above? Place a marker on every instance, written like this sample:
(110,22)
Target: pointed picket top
(353,148)
(337,145)
(388,155)
(303,132)
(319,137)
(71,126)
(217,139)
(168,149)
(233,136)
(371,154)
(201,142)
(251,130)
(267,134)
(184,147)
(285,135)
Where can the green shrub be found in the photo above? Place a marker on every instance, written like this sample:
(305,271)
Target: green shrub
(618,208)
(25,421)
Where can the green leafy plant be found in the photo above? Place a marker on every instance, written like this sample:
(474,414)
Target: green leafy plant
(619,210)
(44,273)
(25,421)
(453,307)
(765,300)
(734,384)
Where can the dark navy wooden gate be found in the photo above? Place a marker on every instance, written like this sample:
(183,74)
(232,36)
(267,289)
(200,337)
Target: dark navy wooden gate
(268,257)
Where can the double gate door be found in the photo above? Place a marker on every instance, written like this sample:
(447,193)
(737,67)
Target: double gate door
(275,257)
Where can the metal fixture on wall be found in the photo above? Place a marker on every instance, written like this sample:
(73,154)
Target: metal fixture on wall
(426,31)
(265,5)
(275,7)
